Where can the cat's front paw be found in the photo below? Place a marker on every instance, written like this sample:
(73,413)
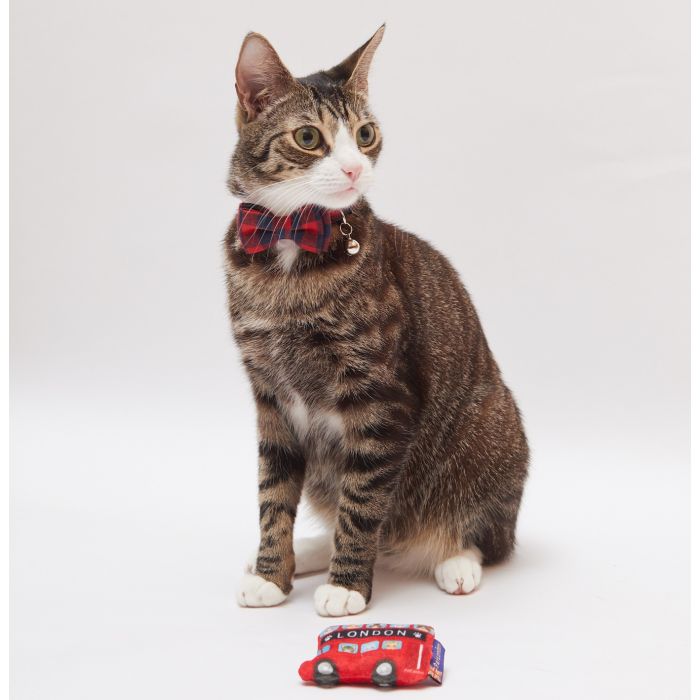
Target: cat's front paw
(335,601)
(461,574)
(256,592)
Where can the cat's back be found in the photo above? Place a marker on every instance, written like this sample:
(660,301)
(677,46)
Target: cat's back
(438,301)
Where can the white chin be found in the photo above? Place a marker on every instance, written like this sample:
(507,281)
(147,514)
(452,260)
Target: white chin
(340,200)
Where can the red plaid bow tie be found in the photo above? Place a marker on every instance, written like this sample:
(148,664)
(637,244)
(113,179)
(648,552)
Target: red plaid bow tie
(309,228)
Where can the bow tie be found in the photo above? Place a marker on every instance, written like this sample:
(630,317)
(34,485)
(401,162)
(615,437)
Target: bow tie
(309,227)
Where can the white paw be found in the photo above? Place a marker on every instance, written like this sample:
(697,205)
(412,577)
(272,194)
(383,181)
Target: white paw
(335,601)
(312,554)
(461,574)
(256,592)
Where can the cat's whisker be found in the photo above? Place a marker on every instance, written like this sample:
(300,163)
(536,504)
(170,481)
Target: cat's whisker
(254,194)
(281,184)
(282,194)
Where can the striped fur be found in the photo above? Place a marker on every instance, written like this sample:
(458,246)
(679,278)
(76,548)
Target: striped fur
(376,392)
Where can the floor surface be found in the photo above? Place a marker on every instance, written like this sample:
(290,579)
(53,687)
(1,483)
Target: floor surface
(129,541)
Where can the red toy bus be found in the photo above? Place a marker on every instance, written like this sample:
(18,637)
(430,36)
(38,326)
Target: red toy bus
(386,655)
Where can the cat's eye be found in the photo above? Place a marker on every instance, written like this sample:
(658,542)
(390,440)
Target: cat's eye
(308,137)
(365,135)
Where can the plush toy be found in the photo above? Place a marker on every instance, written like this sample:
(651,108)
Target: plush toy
(386,655)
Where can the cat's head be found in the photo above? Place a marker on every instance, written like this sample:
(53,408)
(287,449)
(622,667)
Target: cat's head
(306,140)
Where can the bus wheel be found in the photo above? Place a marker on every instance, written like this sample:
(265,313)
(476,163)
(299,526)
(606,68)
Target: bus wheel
(384,674)
(325,672)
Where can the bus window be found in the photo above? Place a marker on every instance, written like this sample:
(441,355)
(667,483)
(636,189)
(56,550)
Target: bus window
(369,646)
(347,648)
(392,644)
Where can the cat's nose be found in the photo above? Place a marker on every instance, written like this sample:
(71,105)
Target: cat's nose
(353,172)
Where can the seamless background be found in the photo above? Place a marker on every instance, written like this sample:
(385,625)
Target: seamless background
(543,146)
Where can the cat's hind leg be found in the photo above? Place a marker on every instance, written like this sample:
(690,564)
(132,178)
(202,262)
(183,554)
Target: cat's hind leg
(489,544)
(312,554)
(460,574)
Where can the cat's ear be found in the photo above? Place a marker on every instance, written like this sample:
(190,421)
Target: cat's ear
(261,77)
(354,70)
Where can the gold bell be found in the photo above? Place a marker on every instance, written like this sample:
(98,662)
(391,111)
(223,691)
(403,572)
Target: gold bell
(352,247)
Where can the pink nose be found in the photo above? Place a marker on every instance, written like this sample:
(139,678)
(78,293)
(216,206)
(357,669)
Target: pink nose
(353,172)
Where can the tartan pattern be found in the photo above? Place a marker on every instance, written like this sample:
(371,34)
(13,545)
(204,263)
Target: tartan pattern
(309,227)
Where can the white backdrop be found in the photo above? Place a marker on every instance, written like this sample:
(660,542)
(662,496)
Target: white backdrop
(543,146)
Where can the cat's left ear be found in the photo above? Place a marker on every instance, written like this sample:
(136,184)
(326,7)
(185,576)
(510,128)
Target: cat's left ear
(354,70)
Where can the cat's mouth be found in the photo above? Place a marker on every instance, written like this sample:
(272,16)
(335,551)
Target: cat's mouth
(340,198)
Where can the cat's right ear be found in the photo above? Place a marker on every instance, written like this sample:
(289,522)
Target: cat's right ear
(261,77)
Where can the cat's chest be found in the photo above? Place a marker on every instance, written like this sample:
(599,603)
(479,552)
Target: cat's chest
(300,360)
(313,341)
(300,365)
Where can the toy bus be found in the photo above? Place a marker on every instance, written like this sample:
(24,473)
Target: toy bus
(386,655)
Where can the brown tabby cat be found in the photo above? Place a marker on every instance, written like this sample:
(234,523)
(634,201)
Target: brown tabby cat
(377,394)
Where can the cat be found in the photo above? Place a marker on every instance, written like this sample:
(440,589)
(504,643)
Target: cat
(377,395)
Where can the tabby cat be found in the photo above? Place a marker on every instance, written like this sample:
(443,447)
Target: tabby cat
(377,395)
